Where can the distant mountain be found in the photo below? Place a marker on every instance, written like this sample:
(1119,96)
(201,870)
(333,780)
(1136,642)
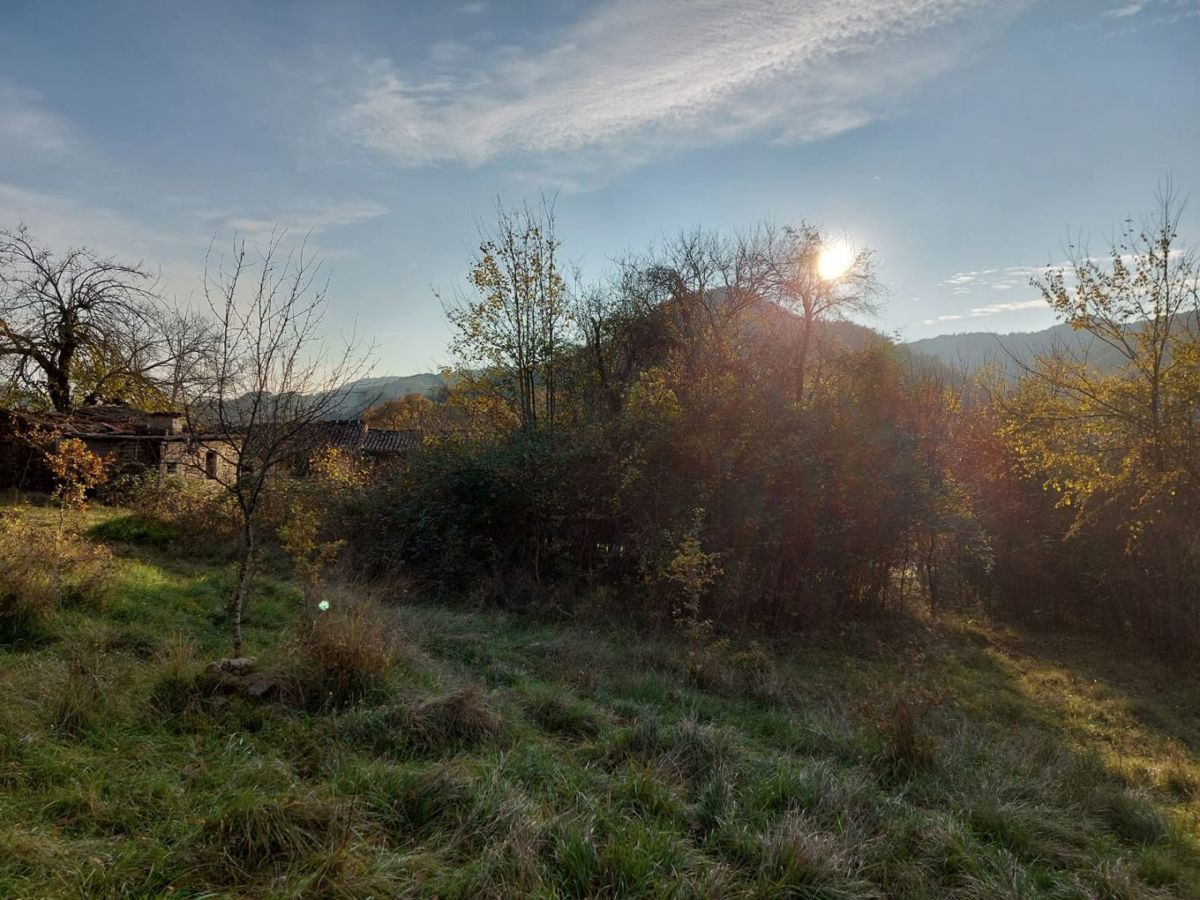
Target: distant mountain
(975,348)
(368,391)
(966,350)
(972,349)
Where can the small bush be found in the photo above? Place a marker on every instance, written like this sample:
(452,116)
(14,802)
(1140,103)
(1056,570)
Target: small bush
(899,716)
(174,691)
(697,749)
(572,860)
(459,719)
(1129,817)
(250,835)
(799,861)
(41,570)
(346,652)
(450,723)
(166,506)
(409,801)
(77,700)
(562,715)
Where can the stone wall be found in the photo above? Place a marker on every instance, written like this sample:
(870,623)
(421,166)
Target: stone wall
(22,465)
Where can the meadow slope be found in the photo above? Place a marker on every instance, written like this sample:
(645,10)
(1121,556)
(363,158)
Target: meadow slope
(491,755)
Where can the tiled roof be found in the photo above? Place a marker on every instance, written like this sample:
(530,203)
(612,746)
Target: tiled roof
(110,419)
(384,440)
(347,434)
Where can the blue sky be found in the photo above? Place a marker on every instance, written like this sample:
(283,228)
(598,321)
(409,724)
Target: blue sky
(960,139)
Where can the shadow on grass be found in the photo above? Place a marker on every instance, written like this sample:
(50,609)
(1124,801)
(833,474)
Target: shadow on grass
(1125,728)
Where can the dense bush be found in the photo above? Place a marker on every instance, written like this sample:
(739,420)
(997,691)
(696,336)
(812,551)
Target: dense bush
(167,508)
(716,499)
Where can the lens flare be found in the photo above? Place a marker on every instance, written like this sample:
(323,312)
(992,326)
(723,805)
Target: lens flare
(834,260)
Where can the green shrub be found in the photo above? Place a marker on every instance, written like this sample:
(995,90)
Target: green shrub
(458,719)
(249,834)
(167,506)
(1129,817)
(563,715)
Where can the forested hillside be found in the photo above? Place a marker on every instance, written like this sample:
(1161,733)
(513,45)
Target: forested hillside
(1013,351)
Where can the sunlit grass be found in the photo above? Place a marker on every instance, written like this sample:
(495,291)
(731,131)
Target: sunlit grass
(504,757)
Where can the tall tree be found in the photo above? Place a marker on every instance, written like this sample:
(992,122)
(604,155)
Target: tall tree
(80,327)
(271,383)
(1120,445)
(805,284)
(514,324)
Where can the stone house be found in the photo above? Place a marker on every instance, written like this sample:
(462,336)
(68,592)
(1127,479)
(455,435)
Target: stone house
(136,442)
(131,440)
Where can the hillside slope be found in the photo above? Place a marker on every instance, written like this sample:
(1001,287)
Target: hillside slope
(499,757)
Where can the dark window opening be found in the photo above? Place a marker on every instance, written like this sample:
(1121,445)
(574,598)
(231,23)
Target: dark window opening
(172,468)
(210,464)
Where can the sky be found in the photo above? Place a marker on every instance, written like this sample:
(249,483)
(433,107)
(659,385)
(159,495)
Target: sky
(964,141)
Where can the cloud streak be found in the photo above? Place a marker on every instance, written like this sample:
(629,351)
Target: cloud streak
(637,79)
(26,126)
(993,309)
(1005,279)
(1165,10)
(312,221)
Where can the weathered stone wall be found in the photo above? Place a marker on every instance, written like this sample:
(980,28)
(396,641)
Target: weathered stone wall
(209,459)
(22,464)
(130,455)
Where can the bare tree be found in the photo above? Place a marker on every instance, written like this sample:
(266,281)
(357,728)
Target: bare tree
(816,296)
(80,323)
(189,337)
(696,290)
(270,381)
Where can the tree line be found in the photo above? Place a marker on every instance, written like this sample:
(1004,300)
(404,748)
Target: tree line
(704,439)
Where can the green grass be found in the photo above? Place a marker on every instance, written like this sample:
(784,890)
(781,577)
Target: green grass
(504,757)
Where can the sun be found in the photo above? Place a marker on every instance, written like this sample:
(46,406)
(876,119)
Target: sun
(834,260)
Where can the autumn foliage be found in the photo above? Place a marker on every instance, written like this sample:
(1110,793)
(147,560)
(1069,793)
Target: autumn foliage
(675,466)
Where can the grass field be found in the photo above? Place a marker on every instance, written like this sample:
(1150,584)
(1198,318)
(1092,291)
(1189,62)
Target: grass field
(491,756)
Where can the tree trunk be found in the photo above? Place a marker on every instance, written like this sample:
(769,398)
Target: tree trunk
(58,386)
(242,589)
(931,581)
(802,361)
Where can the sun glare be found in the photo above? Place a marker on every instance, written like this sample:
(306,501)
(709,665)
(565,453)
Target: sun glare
(834,260)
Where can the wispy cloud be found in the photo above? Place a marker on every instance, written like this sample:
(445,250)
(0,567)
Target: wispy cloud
(636,79)
(59,222)
(1005,279)
(312,220)
(1159,11)
(993,309)
(1126,9)
(62,222)
(27,126)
